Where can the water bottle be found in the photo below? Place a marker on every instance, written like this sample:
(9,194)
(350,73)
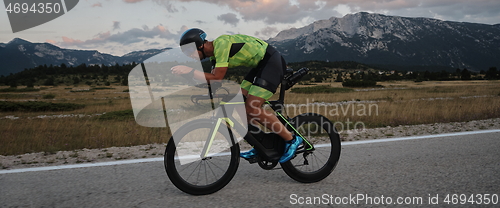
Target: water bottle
(295,77)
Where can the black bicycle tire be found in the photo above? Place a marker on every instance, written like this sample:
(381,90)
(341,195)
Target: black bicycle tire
(185,186)
(333,159)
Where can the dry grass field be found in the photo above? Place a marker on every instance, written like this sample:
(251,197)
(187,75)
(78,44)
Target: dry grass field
(407,103)
(397,103)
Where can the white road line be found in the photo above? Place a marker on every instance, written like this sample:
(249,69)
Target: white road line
(158,159)
(86,165)
(420,137)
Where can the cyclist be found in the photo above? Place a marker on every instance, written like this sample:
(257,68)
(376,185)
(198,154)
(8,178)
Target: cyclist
(261,82)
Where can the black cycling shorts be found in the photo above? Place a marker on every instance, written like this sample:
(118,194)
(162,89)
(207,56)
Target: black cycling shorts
(263,80)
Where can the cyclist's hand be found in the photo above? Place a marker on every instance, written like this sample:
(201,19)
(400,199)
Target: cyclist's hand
(180,69)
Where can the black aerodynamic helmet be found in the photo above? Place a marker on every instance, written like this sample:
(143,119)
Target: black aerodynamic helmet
(193,35)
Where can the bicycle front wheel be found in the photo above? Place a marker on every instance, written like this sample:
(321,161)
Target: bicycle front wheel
(196,173)
(316,160)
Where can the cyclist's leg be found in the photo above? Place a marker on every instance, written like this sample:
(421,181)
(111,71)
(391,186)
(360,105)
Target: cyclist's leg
(259,85)
(246,84)
(268,79)
(255,112)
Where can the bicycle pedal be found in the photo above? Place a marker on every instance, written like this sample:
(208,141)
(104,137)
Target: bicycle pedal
(252,160)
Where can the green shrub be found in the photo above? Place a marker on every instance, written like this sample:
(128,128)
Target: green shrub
(6,106)
(359,83)
(320,89)
(83,90)
(19,90)
(103,88)
(49,96)
(118,115)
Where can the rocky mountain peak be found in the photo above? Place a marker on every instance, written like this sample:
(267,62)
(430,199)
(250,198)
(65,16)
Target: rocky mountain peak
(349,24)
(18,41)
(393,40)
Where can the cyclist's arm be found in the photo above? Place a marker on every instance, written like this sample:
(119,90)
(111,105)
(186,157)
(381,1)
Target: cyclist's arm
(218,73)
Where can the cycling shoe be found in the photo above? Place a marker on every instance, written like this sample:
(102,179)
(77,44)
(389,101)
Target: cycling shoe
(290,148)
(249,154)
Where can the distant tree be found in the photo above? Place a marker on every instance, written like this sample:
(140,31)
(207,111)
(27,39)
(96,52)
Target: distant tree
(368,76)
(30,84)
(352,75)
(458,73)
(117,67)
(359,75)
(465,75)
(13,84)
(2,79)
(339,77)
(49,82)
(76,80)
(492,73)
(428,76)
(444,75)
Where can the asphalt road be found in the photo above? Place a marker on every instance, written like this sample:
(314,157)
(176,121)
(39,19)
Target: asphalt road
(423,171)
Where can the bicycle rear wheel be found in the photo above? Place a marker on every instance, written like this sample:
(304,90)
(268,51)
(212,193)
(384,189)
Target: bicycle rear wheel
(315,164)
(198,175)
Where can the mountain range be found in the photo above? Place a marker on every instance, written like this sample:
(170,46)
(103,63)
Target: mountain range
(362,37)
(20,54)
(392,40)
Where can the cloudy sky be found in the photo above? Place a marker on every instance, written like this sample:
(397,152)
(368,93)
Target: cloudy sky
(120,26)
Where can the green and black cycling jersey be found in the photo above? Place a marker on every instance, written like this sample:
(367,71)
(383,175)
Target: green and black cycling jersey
(238,50)
(267,64)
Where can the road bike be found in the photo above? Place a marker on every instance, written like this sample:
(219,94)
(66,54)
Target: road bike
(205,154)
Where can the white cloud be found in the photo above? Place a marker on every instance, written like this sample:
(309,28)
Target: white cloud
(229,18)
(267,32)
(116,25)
(288,11)
(131,36)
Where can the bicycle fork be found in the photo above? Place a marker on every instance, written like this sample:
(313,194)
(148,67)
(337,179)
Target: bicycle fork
(263,152)
(212,134)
